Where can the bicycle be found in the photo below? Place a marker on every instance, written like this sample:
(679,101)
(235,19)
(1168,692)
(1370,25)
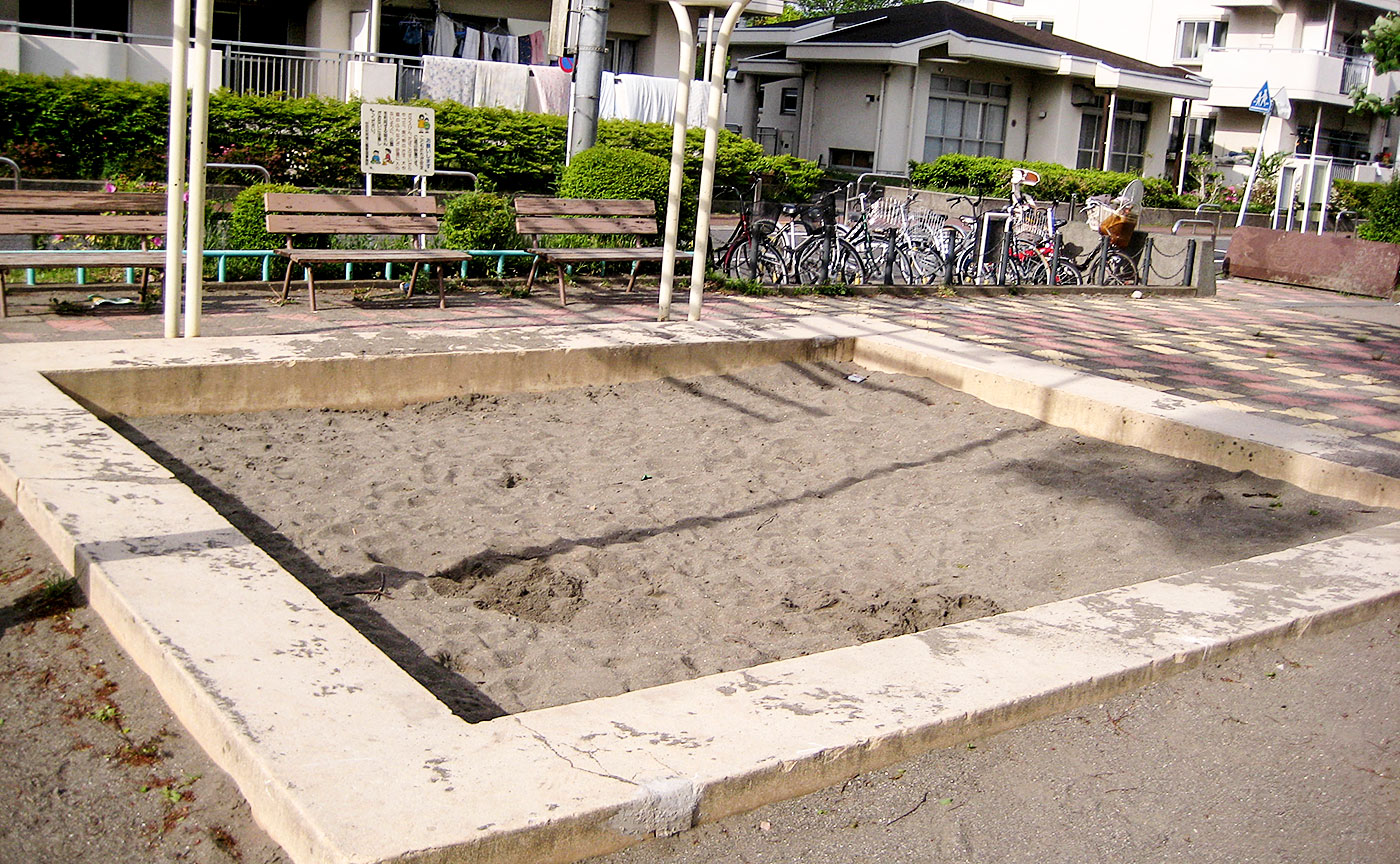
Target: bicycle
(750,252)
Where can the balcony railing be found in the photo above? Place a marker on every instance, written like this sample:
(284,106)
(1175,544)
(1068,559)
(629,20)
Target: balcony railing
(252,67)
(1356,72)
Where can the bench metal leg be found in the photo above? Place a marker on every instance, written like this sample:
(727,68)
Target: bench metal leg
(560,268)
(530,280)
(286,283)
(311,287)
(412,279)
(442,289)
(632,280)
(145,282)
(4,310)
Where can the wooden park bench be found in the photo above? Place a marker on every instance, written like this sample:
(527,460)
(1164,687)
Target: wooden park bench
(595,216)
(82,214)
(294,214)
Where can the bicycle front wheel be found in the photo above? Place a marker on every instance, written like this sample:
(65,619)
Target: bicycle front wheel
(844,266)
(756,260)
(1119,269)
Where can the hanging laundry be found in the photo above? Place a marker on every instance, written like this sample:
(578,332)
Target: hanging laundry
(607,96)
(648,98)
(500,48)
(539,55)
(445,37)
(525,50)
(448,78)
(549,90)
(502,85)
(471,44)
(699,104)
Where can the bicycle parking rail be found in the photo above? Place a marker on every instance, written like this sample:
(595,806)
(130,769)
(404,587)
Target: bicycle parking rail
(13,166)
(240,166)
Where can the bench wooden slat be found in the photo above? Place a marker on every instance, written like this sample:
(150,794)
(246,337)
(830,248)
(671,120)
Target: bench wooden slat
(532,206)
(360,256)
(613,254)
(80,223)
(405,205)
(24,259)
(29,201)
(590,225)
(350,224)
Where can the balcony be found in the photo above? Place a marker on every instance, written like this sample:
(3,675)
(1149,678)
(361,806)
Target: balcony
(242,67)
(1236,74)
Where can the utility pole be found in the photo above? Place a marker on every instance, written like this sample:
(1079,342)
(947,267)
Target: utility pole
(588,77)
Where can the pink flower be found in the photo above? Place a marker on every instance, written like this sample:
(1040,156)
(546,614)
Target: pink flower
(110,186)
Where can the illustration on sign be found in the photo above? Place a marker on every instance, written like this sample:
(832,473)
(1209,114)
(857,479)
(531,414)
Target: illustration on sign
(397,139)
(1262,102)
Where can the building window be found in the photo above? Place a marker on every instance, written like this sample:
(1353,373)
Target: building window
(1131,119)
(621,57)
(1038,24)
(842,158)
(1200,135)
(1195,38)
(78,14)
(965,116)
(787,104)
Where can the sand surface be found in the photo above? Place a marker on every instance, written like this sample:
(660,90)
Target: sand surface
(515,552)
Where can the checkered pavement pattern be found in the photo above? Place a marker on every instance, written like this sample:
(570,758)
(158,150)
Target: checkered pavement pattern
(1254,348)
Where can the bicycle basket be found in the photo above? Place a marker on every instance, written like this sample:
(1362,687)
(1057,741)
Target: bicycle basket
(885,213)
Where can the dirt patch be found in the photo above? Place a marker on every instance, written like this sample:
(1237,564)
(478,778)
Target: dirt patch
(515,552)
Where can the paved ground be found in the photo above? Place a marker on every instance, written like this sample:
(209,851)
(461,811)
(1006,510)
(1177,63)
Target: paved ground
(1215,766)
(1312,358)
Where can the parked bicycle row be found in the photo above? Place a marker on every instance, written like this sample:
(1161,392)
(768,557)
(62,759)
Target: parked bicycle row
(891,241)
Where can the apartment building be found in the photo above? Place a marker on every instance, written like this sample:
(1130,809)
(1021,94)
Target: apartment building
(877,89)
(1311,48)
(302,47)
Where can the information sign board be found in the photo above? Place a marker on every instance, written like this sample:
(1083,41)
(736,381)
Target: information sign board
(397,139)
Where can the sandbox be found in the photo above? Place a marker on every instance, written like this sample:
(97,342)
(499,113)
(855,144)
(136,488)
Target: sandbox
(345,757)
(538,549)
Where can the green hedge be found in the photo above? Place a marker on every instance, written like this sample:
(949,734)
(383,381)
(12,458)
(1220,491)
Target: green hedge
(479,220)
(1351,195)
(1382,212)
(91,128)
(990,176)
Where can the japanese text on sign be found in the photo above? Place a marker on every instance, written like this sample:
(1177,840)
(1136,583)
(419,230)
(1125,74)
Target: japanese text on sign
(396,139)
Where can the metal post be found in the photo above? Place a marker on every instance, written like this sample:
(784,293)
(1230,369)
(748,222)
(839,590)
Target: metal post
(685,70)
(376,11)
(1108,130)
(1253,170)
(175,166)
(588,79)
(199,146)
(707,168)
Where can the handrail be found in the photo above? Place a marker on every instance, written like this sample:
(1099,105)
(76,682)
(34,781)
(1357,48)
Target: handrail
(1205,222)
(13,166)
(245,166)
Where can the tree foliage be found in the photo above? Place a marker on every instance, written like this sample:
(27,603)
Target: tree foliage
(1382,41)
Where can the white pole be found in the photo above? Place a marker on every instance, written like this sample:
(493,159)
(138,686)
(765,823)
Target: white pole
(709,46)
(1108,130)
(1326,188)
(1185,146)
(707,167)
(199,147)
(685,70)
(376,11)
(1312,172)
(175,165)
(1253,170)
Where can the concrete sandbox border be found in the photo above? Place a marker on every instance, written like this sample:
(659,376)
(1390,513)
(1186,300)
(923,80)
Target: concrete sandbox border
(344,758)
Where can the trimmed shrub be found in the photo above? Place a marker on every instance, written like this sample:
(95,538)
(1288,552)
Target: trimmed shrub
(991,176)
(1384,212)
(479,220)
(247,228)
(1351,195)
(612,172)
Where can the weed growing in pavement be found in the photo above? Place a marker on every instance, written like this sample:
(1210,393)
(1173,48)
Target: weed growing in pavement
(54,595)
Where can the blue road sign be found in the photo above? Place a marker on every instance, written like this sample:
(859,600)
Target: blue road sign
(1262,102)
